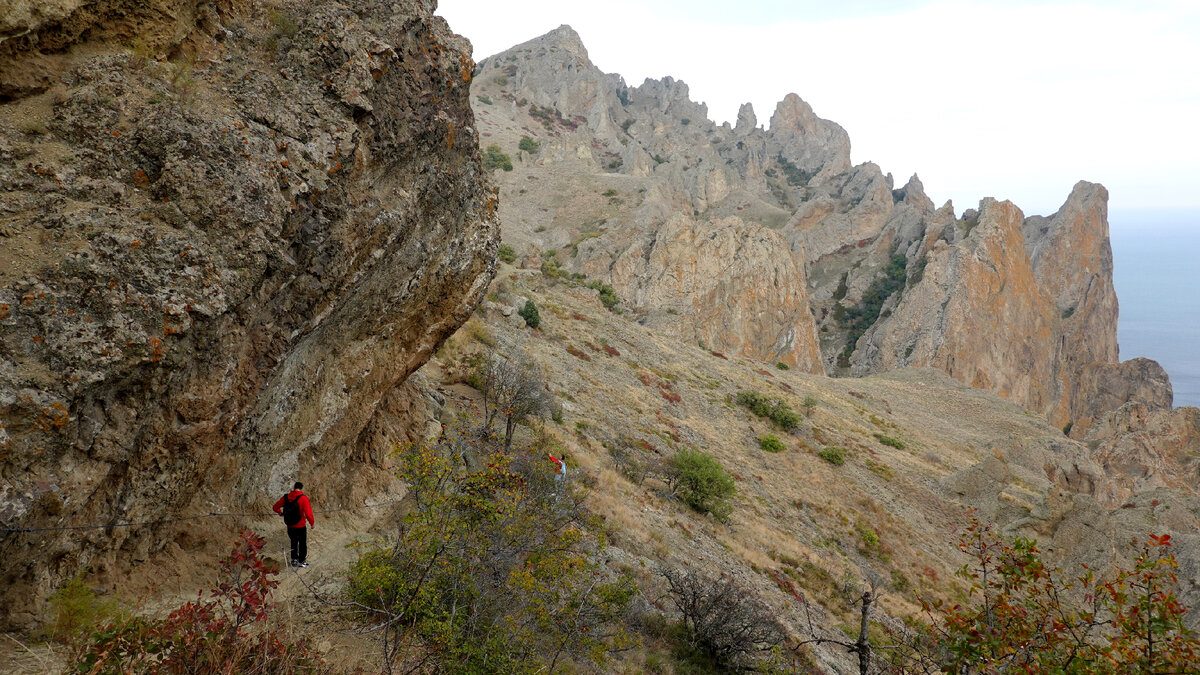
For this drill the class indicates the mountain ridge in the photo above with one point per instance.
(845, 223)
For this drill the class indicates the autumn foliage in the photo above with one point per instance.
(226, 632)
(1025, 616)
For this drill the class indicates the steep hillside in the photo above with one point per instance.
(921, 449)
(603, 174)
(228, 233)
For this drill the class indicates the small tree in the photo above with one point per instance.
(490, 574)
(701, 482)
(722, 617)
(514, 391)
(528, 144)
(506, 254)
(494, 158)
(530, 313)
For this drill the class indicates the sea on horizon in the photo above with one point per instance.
(1156, 271)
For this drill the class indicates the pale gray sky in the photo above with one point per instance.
(981, 98)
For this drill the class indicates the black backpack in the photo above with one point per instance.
(291, 511)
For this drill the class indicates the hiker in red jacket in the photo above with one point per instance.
(295, 509)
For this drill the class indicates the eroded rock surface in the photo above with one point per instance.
(219, 269)
(728, 285)
(1021, 306)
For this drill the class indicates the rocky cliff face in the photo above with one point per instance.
(230, 233)
(1022, 306)
(1039, 288)
(739, 284)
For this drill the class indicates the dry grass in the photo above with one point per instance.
(903, 502)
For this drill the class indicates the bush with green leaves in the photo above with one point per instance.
(76, 610)
(608, 296)
(703, 484)
(506, 254)
(771, 443)
(528, 144)
(494, 158)
(833, 454)
(774, 409)
(890, 441)
(530, 313)
(808, 405)
(491, 572)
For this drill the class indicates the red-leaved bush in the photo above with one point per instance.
(227, 632)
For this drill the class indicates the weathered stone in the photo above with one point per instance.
(1104, 387)
(729, 285)
(222, 272)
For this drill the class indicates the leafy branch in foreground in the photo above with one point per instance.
(1030, 617)
(1022, 615)
(227, 632)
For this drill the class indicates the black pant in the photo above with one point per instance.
(299, 539)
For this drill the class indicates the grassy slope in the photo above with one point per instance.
(797, 516)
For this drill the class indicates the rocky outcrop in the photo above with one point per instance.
(817, 148)
(220, 269)
(1040, 289)
(1143, 449)
(1104, 387)
(983, 286)
(733, 287)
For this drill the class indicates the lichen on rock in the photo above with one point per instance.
(225, 253)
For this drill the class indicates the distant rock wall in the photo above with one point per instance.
(1022, 306)
(217, 271)
(731, 286)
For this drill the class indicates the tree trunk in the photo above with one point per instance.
(863, 646)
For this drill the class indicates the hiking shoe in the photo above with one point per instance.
(301, 564)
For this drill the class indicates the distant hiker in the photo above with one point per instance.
(295, 509)
(560, 469)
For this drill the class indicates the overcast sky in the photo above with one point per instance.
(980, 98)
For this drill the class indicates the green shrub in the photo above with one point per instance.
(506, 254)
(486, 100)
(608, 296)
(528, 144)
(782, 366)
(75, 611)
(888, 440)
(530, 313)
(833, 454)
(776, 409)
(494, 158)
(770, 443)
(611, 192)
(869, 537)
(808, 405)
(491, 572)
(702, 483)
